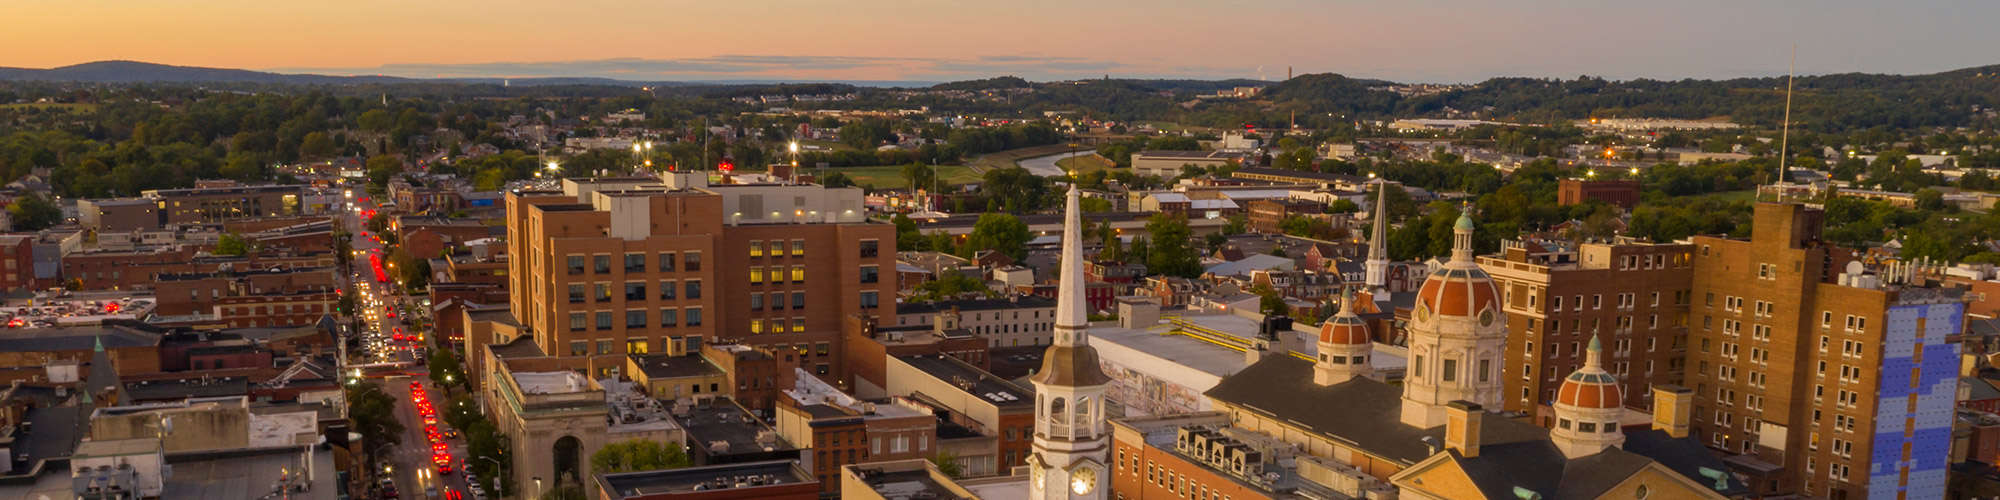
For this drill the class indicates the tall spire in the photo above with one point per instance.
(1377, 267)
(1072, 313)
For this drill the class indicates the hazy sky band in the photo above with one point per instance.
(1414, 40)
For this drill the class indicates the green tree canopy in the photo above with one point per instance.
(999, 232)
(638, 455)
(1172, 252)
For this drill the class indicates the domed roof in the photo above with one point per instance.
(1590, 386)
(1344, 329)
(1458, 291)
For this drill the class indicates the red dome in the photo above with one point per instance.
(1458, 292)
(1591, 387)
(1344, 329)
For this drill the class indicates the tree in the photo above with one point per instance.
(412, 272)
(1092, 205)
(638, 455)
(1930, 199)
(381, 168)
(998, 232)
(233, 244)
(919, 176)
(1171, 253)
(836, 180)
(373, 414)
(950, 286)
(866, 134)
(316, 145)
(445, 368)
(34, 213)
(947, 463)
(1269, 301)
(1342, 206)
(376, 120)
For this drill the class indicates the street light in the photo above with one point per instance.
(496, 473)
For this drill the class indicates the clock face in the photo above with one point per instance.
(1082, 480)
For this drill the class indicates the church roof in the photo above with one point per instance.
(1366, 415)
(1363, 412)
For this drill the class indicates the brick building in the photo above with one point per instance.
(607, 265)
(1825, 379)
(1558, 295)
(1622, 193)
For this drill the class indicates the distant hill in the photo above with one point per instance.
(143, 72)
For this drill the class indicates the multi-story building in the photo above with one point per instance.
(1014, 321)
(17, 262)
(610, 266)
(1558, 295)
(983, 406)
(217, 204)
(254, 298)
(1827, 380)
(1622, 193)
(841, 430)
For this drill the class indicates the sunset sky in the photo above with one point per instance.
(1413, 40)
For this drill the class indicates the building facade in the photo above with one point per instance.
(1633, 295)
(1831, 381)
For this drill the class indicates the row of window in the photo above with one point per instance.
(777, 301)
(777, 248)
(634, 290)
(635, 262)
(777, 325)
(635, 318)
(633, 346)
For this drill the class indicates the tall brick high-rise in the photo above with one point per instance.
(611, 266)
(1558, 295)
(1828, 380)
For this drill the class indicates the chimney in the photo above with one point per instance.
(1672, 405)
(1461, 427)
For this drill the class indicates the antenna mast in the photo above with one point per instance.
(1785, 132)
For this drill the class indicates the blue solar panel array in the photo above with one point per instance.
(1935, 385)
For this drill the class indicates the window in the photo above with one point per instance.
(576, 264)
(576, 293)
(868, 274)
(798, 300)
(798, 248)
(777, 300)
(1450, 372)
(667, 290)
(667, 262)
(636, 346)
(579, 348)
(756, 248)
(798, 274)
(604, 320)
(600, 263)
(691, 261)
(870, 248)
(578, 321)
(756, 302)
(694, 316)
(1586, 426)
(694, 289)
(635, 318)
(603, 292)
(635, 290)
(635, 262)
(1418, 366)
(669, 317)
(1485, 367)
(604, 347)
(756, 275)
(756, 326)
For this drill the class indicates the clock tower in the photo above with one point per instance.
(1072, 443)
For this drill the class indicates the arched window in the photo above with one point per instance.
(1057, 409)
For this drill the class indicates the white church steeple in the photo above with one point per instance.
(1072, 444)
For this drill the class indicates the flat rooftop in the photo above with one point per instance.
(973, 380)
(714, 477)
(908, 484)
(561, 382)
(723, 428)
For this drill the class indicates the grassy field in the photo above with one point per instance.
(1085, 164)
(71, 107)
(891, 176)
